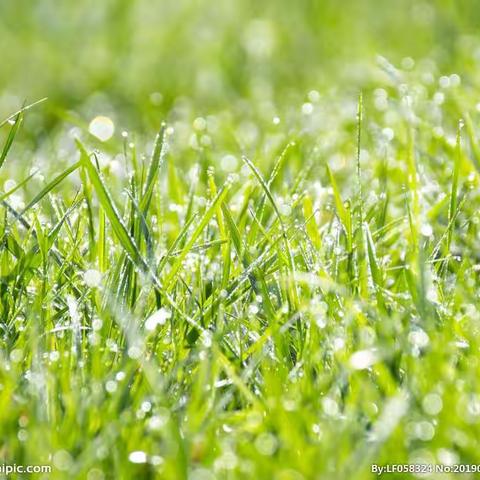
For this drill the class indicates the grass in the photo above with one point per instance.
(275, 285)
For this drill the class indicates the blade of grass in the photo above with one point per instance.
(196, 233)
(156, 163)
(292, 289)
(109, 207)
(454, 190)
(256, 277)
(11, 137)
(22, 110)
(342, 212)
(47, 189)
(375, 267)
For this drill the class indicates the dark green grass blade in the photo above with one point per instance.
(11, 137)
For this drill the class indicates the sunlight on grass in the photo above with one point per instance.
(239, 241)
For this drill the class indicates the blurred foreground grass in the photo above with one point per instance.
(284, 283)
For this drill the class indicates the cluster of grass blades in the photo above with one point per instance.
(282, 322)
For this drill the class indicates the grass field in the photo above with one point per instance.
(239, 240)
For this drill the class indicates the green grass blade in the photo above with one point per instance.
(454, 190)
(11, 136)
(342, 212)
(196, 233)
(110, 208)
(290, 262)
(156, 163)
(50, 186)
(21, 111)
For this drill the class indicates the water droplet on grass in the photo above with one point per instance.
(426, 230)
(92, 278)
(160, 317)
(102, 127)
(266, 444)
(111, 386)
(138, 457)
(307, 108)
(9, 184)
(54, 356)
(455, 80)
(408, 63)
(444, 81)
(418, 338)
(313, 96)
(388, 133)
(199, 124)
(363, 359)
(432, 404)
(330, 407)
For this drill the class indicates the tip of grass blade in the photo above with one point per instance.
(22, 110)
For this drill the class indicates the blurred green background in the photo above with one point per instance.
(136, 57)
(235, 77)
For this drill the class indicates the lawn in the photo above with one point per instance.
(240, 240)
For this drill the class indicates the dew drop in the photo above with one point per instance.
(138, 457)
(102, 127)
